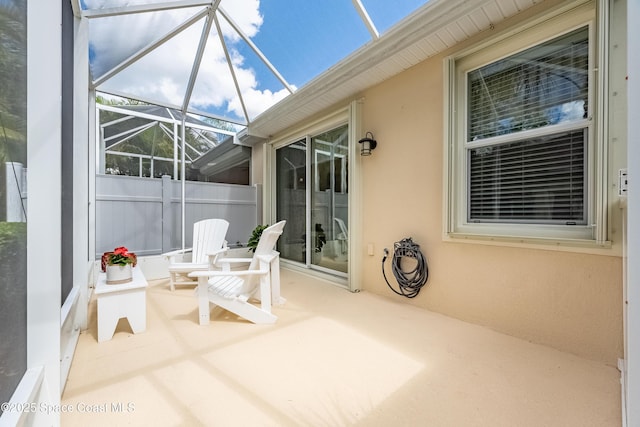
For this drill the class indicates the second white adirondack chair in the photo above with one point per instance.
(208, 244)
(232, 289)
(342, 237)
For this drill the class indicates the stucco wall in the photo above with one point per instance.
(569, 300)
(257, 164)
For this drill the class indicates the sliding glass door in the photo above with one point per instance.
(291, 203)
(312, 195)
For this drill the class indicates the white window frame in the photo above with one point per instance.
(527, 35)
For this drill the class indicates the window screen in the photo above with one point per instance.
(540, 176)
(13, 213)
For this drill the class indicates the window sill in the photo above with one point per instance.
(564, 245)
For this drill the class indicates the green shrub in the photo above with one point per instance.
(252, 244)
(13, 306)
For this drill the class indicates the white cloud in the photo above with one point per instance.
(163, 74)
(246, 14)
(257, 101)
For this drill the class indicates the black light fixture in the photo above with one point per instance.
(368, 144)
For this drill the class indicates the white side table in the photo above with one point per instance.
(118, 301)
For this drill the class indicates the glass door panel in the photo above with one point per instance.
(329, 200)
(291, 196)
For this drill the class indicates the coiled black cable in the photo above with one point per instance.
(409, 282)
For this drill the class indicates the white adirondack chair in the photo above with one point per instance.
(342, 237)
(232, 289)
(208, 245)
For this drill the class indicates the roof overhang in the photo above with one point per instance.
(222, 157)
(248, 139)
(432, 29)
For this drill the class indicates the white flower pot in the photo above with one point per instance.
(119, 274)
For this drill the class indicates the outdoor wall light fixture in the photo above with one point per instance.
(368, 144)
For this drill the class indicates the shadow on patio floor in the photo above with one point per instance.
(333, 358)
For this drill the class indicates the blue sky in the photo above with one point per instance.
(300, 38)
(304, 38)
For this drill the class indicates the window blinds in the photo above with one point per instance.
(538, 180)
(530, 180)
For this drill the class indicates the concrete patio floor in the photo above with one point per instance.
(334, 358)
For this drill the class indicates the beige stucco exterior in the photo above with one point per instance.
(566, 297)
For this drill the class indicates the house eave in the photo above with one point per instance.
(432, 29)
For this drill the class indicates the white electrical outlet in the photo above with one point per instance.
(623, 183)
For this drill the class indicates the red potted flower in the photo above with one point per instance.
(118, 265)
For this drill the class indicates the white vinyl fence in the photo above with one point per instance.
(144, 214)
(13, 189)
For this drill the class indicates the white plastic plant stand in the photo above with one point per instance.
(117, 301)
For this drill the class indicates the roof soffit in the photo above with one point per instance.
(434, 28)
